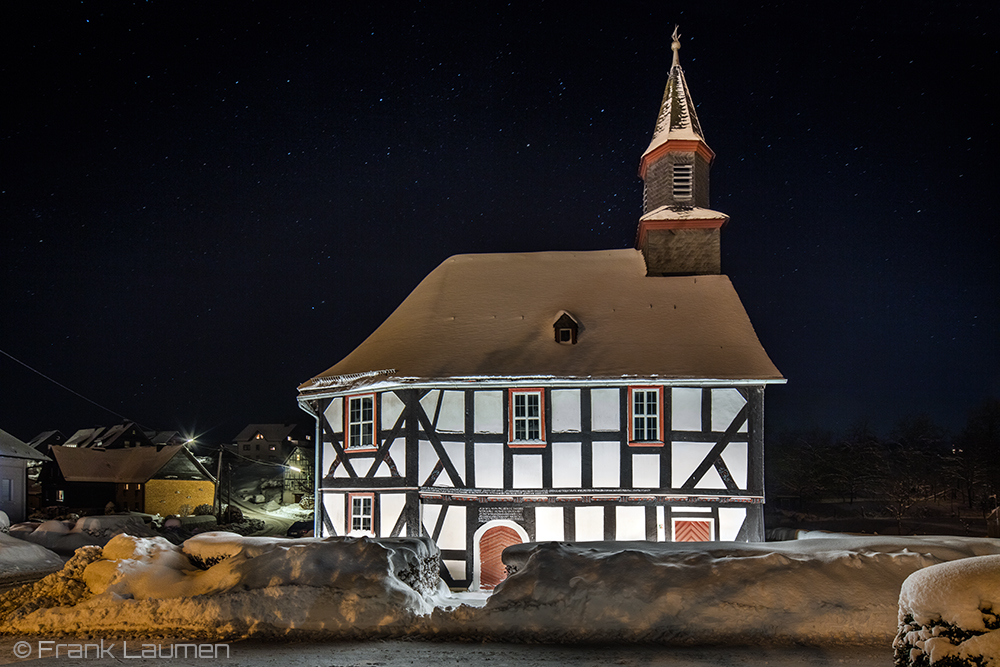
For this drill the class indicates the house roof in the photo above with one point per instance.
(271, 432)
(490, 315)
(677, 118)
(14, 448)
(134, 464)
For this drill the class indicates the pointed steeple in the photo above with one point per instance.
(678, 119)
(678, 234)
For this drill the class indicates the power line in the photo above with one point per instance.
(59, 384)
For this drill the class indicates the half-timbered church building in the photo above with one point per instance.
(569, 396)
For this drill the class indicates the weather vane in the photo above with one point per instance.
(676, 46)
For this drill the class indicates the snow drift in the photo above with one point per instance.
(834, 589)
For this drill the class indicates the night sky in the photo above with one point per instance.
(205, 204)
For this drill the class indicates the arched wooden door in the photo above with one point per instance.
(491, 545)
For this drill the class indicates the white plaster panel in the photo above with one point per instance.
(489, 411)
(730, 521)
(429, 516)
(390, 507)
(686, 457)
(685, 408)
(362, 464)
(334, 504)
(452, 417)
(397, 450)
(684, 509)
(456, 568)
(335, 415)
(456, 452)
(646, 471)
(726, 403)
(589, 524)
(566, 410)
(735, 457)
(329, 454)
(453, 529)
(383, 470)
(429, 403)
(661, 532)
(711, 480)
(427, 458)
(527, 471)
(392, 407)
(605, 412)
(549, 524)
(607, 465)
(566, 465)
(630, 522)
(340, 471)
(489, 465)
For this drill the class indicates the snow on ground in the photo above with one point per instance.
(825, 591)
(19, 558)
(952, 611)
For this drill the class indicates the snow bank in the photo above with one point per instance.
(343, 586)
(950, 613)
(833, 589)
(19, 558)
(65, 537)
(841, 589)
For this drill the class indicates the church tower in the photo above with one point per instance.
(678, 234)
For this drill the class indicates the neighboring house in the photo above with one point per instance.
(155, 480)
(46, 439)
(124, 435)
(578, 396)
(270, 443)
(15, 456)
(298, 475)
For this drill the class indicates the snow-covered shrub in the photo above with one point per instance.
(204, 510)
(4, 522)
(949, 615)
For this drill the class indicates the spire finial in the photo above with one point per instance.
(676, 46)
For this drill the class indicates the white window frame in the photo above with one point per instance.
(526, 420)
(365, 520)
(361, 422)
(633, 415)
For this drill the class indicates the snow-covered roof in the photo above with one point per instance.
(134, 464)
(677, 119)
(684, 213)
(491, 315)
(12, 447)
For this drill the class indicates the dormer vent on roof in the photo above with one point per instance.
(566, 329)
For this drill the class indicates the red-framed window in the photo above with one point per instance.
(526, 418)
(360, 420)
(645, 416)
(362, 513)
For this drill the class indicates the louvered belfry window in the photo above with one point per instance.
(683, 181)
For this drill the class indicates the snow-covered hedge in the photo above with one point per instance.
(262, 586)
(949, 615)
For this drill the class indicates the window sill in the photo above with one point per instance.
(645, 443)
(519, 444)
